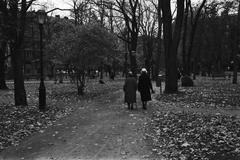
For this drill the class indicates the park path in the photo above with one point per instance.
(101, 128)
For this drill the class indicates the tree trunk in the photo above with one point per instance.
(235, 69)
(3, 85)
(146, 54)
(235, 65)
(192, 34)
(171, 43)
(185, 27)
(170, 86)
(80, 82)
(125, 72)
(132, 52)
(17, 64)
(18, 18)
(159, 40)
(150, 53)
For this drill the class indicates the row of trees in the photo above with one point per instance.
(89, 40)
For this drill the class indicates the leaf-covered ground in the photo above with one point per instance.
(200, 122)
(19, 122)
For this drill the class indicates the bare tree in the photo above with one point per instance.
(80, 11)
(17, 12)
(235, 67)
(130, 12)
(148, 26)
(159, 55)
(187, 53)
(3, 42)
(3, 47)
(171, 42)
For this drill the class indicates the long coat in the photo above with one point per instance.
(130, 88)
(144, 87)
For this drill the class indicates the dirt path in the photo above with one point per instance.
(99, 129)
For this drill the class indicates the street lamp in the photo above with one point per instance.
(42, 90)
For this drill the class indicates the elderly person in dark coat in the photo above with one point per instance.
(144, 87)
(130, 88)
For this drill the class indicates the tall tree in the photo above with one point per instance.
(80, 11)
(193, 22)
(184, 37)
(235, 67)
(131, 15)
(17, 17)
(171, 42)
(3, 42)
(148, 26)
(3, 47)
(159, 54)
(83, 47)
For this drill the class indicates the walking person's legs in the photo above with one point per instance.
(144, 103)
(129, 105)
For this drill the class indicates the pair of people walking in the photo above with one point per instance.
(144, 86)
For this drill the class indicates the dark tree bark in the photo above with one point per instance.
(131, 18)
(147, 50)
(159, 40)
(235, 65)
(192, 34)
(148, 26)
(17, 64)
(171, 42)
(185, 27)
(17, 16)
(80, 82)
(3, 46)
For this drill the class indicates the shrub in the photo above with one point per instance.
(186, 81)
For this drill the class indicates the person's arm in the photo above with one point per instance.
(124, 86)
(139, 84)
(150, 85)
(136, 85)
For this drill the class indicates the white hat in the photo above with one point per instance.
(144, 70)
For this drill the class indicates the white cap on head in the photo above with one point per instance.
(144, 70)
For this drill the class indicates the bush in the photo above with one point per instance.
(186, 81)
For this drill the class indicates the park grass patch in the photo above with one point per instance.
(197, 123)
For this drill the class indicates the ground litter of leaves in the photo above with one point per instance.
(19, 122)
(188, 125)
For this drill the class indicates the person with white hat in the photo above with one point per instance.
(144, 87)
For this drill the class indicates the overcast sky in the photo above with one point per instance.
(64, 4)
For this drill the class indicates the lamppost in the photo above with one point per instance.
(42, 89)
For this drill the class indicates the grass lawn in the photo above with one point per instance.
(201, 122)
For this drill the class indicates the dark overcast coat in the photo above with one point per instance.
(144, 87)
(130, 88)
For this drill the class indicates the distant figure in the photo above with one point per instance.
(130, 88)
(144, 87)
